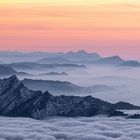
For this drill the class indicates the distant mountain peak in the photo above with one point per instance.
(8, 70)
(130, 63)
(113, 60)
(69, 52)
(115, 57)
(82, 52)
(5, 70)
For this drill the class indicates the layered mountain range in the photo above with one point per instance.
(79, 57)
(63, 87)
(18, 101)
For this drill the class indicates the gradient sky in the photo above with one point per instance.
(109, 27)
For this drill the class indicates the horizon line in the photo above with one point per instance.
(73, 51)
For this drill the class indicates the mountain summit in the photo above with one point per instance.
(113, 60)
(18, 101)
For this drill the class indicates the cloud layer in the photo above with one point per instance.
(96, 128)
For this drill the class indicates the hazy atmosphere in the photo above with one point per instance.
(111, 79)
(69, 70)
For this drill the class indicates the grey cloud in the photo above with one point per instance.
(95, 128)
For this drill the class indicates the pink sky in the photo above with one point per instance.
(107, 28)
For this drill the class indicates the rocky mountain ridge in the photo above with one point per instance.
(18, 101)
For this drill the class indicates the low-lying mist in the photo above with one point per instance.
(125, 81)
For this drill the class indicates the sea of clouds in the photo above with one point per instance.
(94, 128)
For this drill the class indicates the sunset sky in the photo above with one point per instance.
(109, 27)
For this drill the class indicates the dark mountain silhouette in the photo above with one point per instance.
(125, 106)
(18, 101)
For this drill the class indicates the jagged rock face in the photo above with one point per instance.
(17, 100)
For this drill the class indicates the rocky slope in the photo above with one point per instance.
(18, 101)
